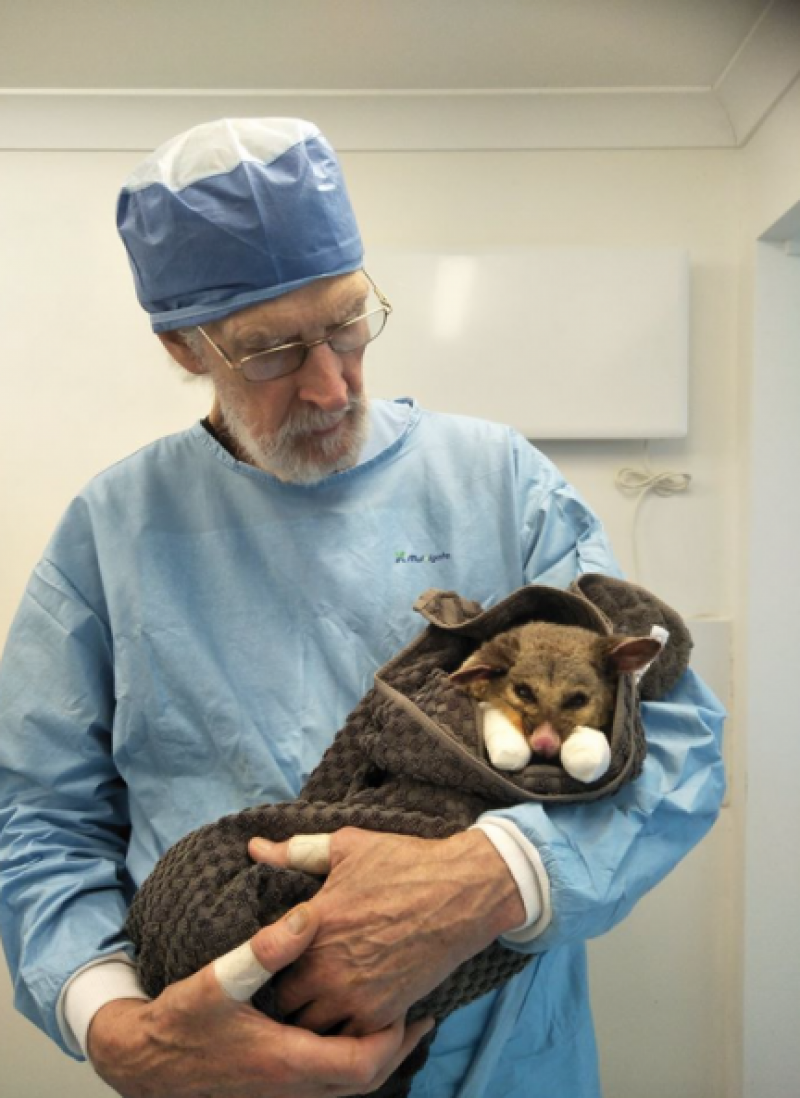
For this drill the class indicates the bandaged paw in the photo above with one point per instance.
(586, 755)
(240, 974)
(505, 745)
(310, 853)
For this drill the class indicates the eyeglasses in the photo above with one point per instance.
(279, 361)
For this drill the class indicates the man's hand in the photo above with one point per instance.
(194, 1041)
(396, 916)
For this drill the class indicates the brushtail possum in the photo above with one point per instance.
(548, 690)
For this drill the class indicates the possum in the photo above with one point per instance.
(548, 693)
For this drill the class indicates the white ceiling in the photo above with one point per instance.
(398, 74)
(372, 44)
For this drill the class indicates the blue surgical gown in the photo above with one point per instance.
(197, 631)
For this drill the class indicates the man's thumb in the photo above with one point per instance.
(276, 946)
(244, 970)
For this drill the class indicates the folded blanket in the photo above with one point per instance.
(409, 760)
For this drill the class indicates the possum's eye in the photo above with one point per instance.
(575, 701)
(524, 692)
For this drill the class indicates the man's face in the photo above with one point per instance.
(313, 422)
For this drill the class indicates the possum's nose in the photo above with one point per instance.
(544, 740)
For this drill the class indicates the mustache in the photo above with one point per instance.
(314, 419)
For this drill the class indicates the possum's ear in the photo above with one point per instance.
(476, 670)
(493, 659)
(631, 653)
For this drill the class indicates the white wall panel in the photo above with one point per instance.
(561, 343)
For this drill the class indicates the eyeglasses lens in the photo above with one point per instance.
(274, 364)
(359, 332)
(351, 336)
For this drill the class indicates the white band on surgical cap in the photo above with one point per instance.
(216, 148)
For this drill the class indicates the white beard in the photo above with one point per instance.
(292, 453)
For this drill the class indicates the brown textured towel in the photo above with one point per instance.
(409, 760)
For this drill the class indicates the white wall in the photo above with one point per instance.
(86, 383)
(771, 1004)
(770, 608)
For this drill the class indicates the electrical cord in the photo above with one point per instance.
(642, 483)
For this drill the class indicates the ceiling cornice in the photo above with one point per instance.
(719, 117)
(367, 121)
(763, 69)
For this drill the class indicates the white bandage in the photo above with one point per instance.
(311, 854)
(586, 755)
(506, 747)
(240, 973)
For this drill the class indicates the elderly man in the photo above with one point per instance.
(208, 612)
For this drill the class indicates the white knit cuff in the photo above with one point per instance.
(91, 987)
(527, 868)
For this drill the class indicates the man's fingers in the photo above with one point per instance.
(323, 1016)
(370, 1060)
(308, 853)
(240, 973)
(276, 946)
(413, 1035)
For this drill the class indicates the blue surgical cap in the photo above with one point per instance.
(232, 213)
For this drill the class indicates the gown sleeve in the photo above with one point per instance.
(602, 857)
(64, 889)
